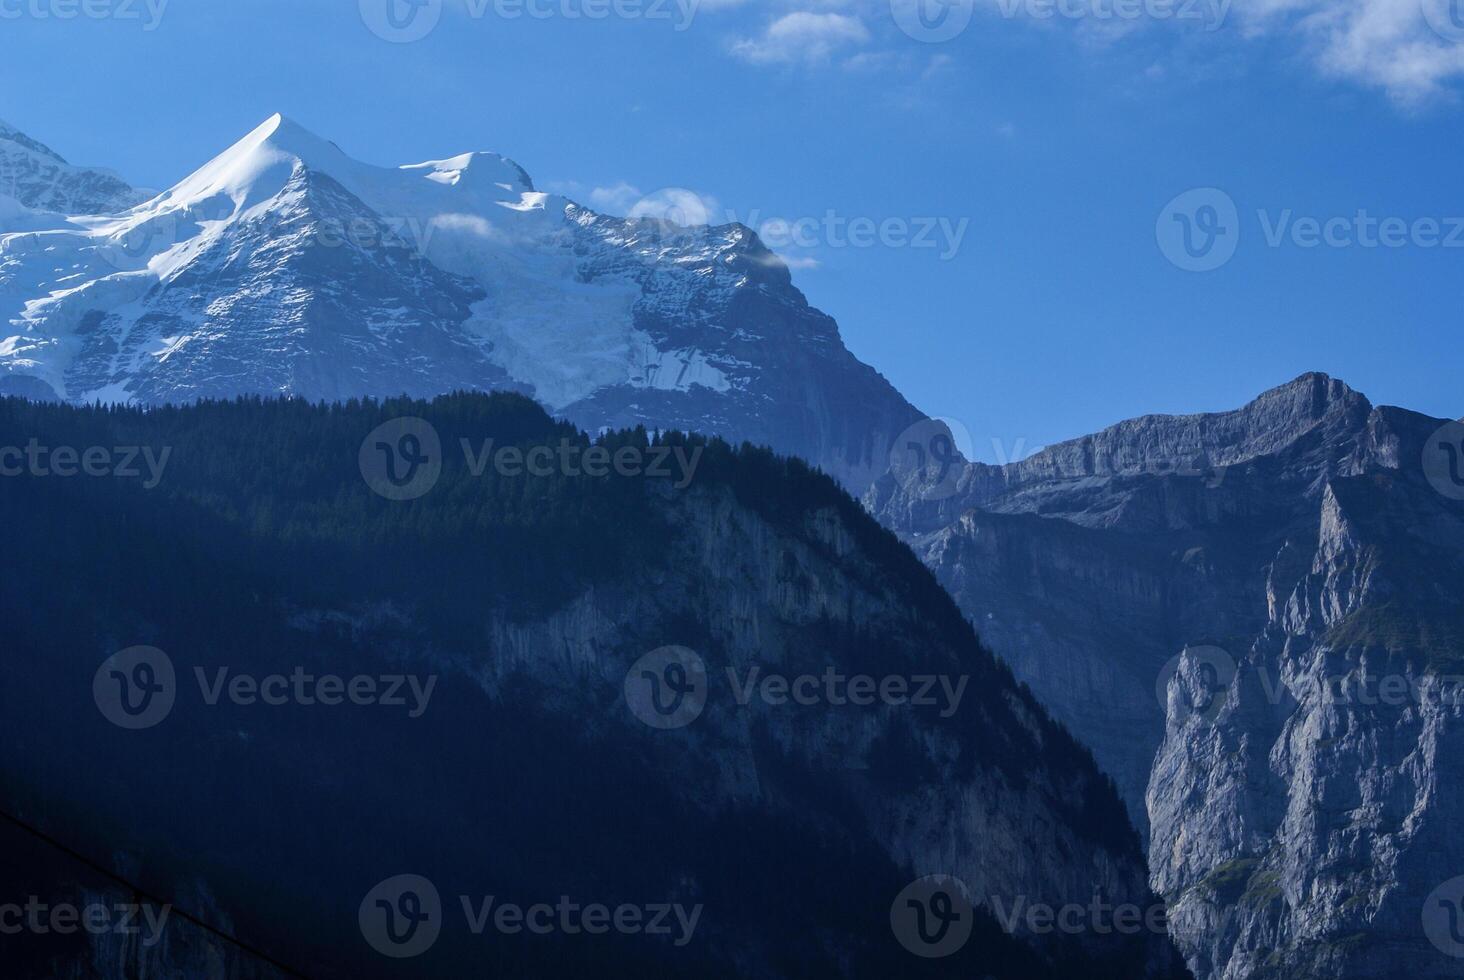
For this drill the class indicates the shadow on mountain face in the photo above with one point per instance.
(495, 757)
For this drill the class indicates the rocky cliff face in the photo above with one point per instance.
(1181, 592)
(1306, 820)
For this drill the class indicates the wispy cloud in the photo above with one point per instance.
(804, 37)
(1412, 49)
(618, 198)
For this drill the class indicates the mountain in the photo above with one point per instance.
(284, 267)
(38, 178)
(1210, 603)
(1122, 575)
(527, 606)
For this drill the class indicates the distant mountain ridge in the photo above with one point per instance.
(1248, 558)
(38, 177)
(284, 267)
(1297, 534)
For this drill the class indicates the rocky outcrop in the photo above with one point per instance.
(1303, 826)
(1183, 592)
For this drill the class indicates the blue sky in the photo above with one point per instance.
(1053, 144)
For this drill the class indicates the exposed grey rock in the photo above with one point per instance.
(1298, 537)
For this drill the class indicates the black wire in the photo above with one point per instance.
(153, 899)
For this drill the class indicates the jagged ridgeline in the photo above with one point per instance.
(252, 544)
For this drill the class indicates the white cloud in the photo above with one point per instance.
(938, 65)
(615, 199)
(803, 37)
(1390, 44)
(1412, 49)
(678, 206)
(470, 224)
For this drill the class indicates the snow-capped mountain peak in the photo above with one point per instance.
(481, 167)
(257, 166)
(41, 179)
(10, 134)
(285, 266)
